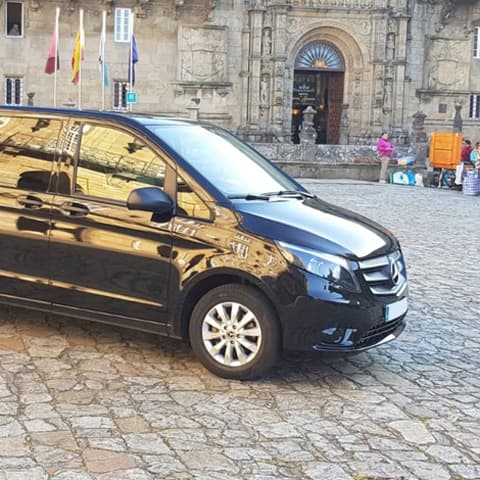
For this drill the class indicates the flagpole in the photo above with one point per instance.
(132, 19)
(80, 61)
(57, 16)
(104, 22)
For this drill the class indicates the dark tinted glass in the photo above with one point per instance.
(224, 160)
(14, 19)
(112, 163)
(27, 150)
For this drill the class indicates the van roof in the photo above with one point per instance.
(131, 118)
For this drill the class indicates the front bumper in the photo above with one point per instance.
(321, 325)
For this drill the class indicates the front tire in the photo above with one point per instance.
(234, 332)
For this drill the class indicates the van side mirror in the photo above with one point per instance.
(151, 199)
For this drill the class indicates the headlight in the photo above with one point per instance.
(336, 270)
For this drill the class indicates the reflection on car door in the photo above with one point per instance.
(104, 257)
(28, 150)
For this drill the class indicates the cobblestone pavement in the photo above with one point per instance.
(85, 401)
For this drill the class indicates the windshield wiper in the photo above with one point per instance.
(286, 193)
(250, 196)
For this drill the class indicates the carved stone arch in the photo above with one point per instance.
(355, 54)
(356, 62)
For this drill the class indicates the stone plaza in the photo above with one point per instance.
(83, 401)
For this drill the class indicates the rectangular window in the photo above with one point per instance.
(113, 162)
(14, 19)
(13, 90)
(120, 89)
(474, 106)
(27, 155)
(476, 42)
(122, 24)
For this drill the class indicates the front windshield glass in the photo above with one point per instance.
(221, 158)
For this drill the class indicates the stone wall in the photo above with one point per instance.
(358, 162)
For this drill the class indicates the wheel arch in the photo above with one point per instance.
(204, 283)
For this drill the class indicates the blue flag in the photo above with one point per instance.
(132, 60)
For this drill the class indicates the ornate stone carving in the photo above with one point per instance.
(365, 27)
(203, 54)
(34, 5)
(140, 8)
(263, 92)
(447, 65)
(267, 41)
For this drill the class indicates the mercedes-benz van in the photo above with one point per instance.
(181, 229)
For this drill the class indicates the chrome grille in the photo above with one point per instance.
(385, 275)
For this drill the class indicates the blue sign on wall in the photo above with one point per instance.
(131, 97)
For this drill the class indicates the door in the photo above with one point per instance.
(335, 101)
(105, 258)
(28, 151)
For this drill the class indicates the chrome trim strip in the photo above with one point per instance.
(374, 263)
(375, 277)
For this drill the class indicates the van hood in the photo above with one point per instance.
(316, 224)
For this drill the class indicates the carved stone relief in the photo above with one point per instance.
(447, 65)
(203, 54)
(365, 27)
(267, 41)
(263, 92)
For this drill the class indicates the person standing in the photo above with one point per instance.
(475, 155)
(385, 150)
(466, 152)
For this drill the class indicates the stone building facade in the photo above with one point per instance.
(252, 66)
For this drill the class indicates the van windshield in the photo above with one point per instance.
(233, 167)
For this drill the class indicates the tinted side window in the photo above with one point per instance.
(27, 150)
(112, 163)
(189, 203)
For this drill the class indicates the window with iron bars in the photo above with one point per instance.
(13, 90)
(474, 106)
(120, 89)
(476, 42)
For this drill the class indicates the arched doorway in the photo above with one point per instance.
(318, 82)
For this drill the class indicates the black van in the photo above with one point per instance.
(178, 228)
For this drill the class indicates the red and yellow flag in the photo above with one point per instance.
(77, 56)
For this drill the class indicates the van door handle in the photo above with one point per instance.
(74, 209)
(30, 201)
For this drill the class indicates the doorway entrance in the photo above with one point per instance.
(318, 82)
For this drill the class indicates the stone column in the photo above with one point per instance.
(419, 138)
(400, 65)
(256, 12)
(245, 75)
(308, 133)
(194, 109)
(457, 120)
(344, 125)
(279, 58)
(378, 73)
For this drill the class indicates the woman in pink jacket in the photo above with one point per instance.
(385, 150)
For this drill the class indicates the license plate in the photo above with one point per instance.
(395, 310)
